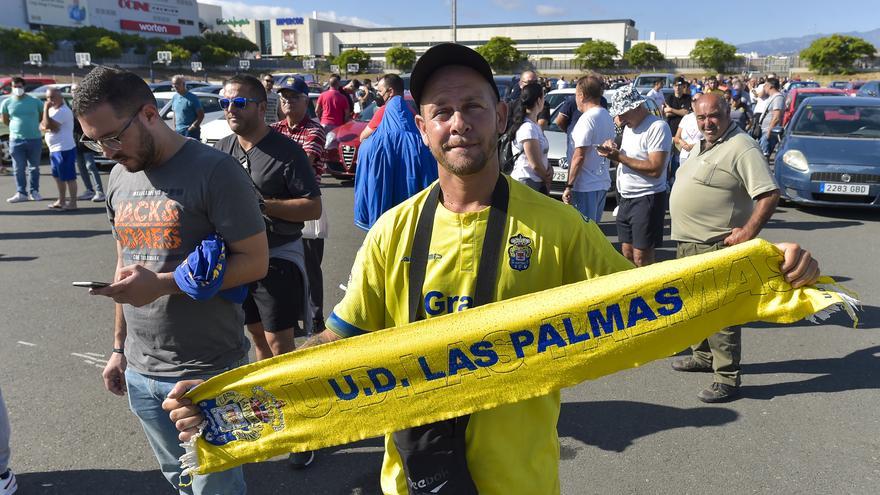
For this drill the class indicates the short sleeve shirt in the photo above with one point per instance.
(522, 169)
(592, 129)
(334, 107)
(715, 189)
(565, 248)
(651, 135)
(677, 103)
(775, 102)
(281, 170)
(311, 136)
(24, 116)
(690, 134)
(159, 216)
(185, 108)
(62, 139)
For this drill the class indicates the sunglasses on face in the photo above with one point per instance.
(238, 102)
(112, 143)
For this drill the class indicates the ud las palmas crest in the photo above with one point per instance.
(233, 416)
(519, 252)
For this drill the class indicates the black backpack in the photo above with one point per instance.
(506, 155)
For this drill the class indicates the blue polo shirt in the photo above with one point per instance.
(185, 108)
(24, 117)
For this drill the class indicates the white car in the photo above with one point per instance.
(210, 104)
(218, 129)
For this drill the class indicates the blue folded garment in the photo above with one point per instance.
(200, 276)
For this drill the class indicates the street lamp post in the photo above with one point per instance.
(454, 21)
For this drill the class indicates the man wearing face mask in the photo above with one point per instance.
(165, 197)
(389, 86)
(22, 113)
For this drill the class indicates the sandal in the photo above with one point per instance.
(55, 206)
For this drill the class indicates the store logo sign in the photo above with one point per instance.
(134, 5)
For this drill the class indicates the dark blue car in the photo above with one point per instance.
(830, 153)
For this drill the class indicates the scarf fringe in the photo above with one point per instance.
(189, 461)
(851, 304)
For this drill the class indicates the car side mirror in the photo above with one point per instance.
(777, 131)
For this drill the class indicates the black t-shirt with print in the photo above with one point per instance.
(677, 103)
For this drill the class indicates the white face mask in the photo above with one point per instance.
(18, 91)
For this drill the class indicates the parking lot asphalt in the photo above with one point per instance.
(807, 421)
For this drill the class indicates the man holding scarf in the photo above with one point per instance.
(473, 237)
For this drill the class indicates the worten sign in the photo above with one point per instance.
(149, 27)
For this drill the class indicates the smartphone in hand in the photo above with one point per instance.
(91, 285)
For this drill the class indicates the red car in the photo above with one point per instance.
(30, 83)
(796, 96)
(341, 161)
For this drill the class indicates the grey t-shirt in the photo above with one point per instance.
(775, 102)
(159, 216)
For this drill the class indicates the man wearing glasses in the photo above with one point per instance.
(285, 178)
(168, 195)
(297, 125)
(188, 112)
(271, 99)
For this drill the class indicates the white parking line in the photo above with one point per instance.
(26, 343)
(100, 363)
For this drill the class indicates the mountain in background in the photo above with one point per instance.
(793, 46)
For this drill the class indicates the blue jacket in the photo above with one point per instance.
(393, 164)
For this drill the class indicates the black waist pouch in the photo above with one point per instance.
(433, 458)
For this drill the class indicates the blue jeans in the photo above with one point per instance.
(591, 204)
(768, 144)
(145, 396)
(85, 161)
(26, 153)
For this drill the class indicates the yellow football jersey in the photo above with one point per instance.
(512, 449)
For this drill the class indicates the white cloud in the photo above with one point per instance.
(243, 10)
(549, 10)
(508, 4)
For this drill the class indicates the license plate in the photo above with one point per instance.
(835, 188)
(563, 176)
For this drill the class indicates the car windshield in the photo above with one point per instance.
(803, 96)
(648, 81)
(210, 103)
(850, 121)
(44, 88)
(553, 101)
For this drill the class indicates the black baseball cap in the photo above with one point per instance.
(444, 54)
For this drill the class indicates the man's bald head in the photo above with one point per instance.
(713, 116)
(527, 77)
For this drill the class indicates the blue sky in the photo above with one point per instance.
(734, 22)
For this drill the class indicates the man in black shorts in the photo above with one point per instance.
(284, 177)
(641, 177)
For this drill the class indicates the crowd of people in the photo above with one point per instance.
(254, 202)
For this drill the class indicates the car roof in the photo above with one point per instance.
(845, 101)
(818, 90)
(564, 91)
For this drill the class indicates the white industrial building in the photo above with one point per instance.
(315, 37)
(163, 18)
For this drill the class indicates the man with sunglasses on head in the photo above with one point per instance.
(284, 176)
(166, 196)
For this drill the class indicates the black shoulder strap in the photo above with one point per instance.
(492, 243)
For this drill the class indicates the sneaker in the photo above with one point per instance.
(301, 460)
(87, 194)
(35, 196)
(99, 197)
(8, 484)
(18, 198)
(718, 392)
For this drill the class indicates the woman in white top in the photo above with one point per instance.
(530, 146)
(688, 134)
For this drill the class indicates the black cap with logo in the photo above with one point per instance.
(444, 54)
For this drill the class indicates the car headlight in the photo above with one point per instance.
(796, 160)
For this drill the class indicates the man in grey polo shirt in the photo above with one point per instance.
(724, 194)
